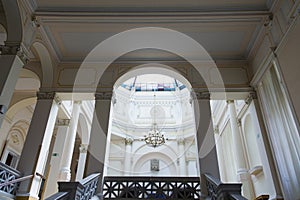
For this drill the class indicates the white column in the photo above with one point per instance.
(219, 147)
(181, 153)
(65, 172)
(11, 65)
(242, 172)
(35, 151)
(56, 157)
(127, 158)
(81, 162)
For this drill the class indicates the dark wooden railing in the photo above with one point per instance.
(8, 175)
(151, 188)
(223, 191)
(83, 190)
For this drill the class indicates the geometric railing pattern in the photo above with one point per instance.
(216, 190)
(8, 174)
(151, 188)
(82, 190)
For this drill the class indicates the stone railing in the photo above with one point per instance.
(217, 190)
(83, 190)
(8, 175)
(151, 188)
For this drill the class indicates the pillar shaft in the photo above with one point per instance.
(98, 137)
(11, 66)
(182, 160)
(242, 172)
(127, 158)
(65, 172)
(236, 137)
(35, 151)
(205, 138)
(81, 162)
(56, 157)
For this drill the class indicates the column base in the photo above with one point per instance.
(65, 175)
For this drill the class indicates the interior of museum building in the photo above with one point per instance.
(149, 100)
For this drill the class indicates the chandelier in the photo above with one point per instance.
(155, 137)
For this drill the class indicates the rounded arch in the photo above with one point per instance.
(154, 38)
(84, 131)
(12, 22)
(46, 64)
(19, 106)
(3, 34)
(155, 155)
(153, 68)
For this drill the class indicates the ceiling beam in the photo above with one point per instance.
(157, 17)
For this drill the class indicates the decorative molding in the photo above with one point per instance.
(83, 148)
(181, 141)
(62, 122)
(216, 129)
(229, 101)
(239, 122)
(128, 141)
(252, 95)
(45, 95)
(200, 95)
(10, 48)
(103, 96)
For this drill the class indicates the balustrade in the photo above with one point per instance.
(151, 188)
(8, 174)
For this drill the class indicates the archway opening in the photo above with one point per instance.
(153, 130)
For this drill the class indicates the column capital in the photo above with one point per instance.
(128, 141)
(48, 96)
(78, 102)
(10, 48)
(103, 95)
(62, 122)
(252, 95)
(239, 122)
(228, 101)
(200, 95)
(216, 129)
(83, 148)
(181, 140)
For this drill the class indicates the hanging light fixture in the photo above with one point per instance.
(154, 138)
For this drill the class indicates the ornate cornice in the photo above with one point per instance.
(103, 96)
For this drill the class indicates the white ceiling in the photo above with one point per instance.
(226, 29)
